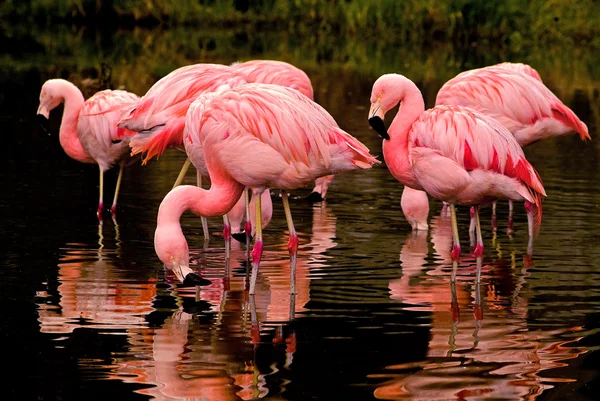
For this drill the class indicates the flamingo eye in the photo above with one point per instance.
(171, 258)
(380, 96)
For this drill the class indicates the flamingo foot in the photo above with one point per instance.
(455, 252)
(478, 252)
(113, 209)
(192, 280)
(227, 232)
(290, 342)
(248, 228)
(478, 313)
(99, 211)
(314, 197)
(510, 228)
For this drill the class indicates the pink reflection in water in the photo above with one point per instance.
(481, 346)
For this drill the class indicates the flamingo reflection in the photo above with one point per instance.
(481, 345)
(94, 290)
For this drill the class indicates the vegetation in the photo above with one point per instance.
(461, 21)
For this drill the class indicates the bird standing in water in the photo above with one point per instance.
(88, 131)
(257, 136)
(514, 95)
(455, 154)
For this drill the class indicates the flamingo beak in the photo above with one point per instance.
(43, 110)
(376, 115)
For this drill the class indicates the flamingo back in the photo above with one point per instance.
(523, 104)
(286, 139)
(278, 73)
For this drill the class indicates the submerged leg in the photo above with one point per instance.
(203, 219)
(248, 224)
(113, 208)
(182, 173)
(100, 203)
(455, 240)
(258, 244)
(292, 243)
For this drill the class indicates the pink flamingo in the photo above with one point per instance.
(285, 74)
(239, 129)
(454, 153)
(88, 131)
(513, 94)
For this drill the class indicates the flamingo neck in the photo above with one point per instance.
(216, 201)
(396, 149)
(69, 140)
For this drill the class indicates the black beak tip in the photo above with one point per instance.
(314, 197)
(192, 280)
(240, 237)
(379, 126)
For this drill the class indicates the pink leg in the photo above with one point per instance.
(258, 244)
(478, 253)
(100, 203)
(472, 238)
(292, 243)
(227, 235)
(456, 241)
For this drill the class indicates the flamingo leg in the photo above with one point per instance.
(258, 244)
(479, 248)
(100, 203)
(182, 173)
(456, 241)
(227, 235)
(509, 231)
(494, 220)
(472, 225)
(292, 243)
(529, 209)
(203, 219)
(248, 224)
(113, 208)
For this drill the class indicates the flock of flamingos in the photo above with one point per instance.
(467, 150)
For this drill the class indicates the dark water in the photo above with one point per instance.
(88, 312)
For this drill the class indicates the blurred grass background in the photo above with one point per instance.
(514, 21)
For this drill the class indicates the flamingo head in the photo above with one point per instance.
(50, 97)
(172, 249)
(387, 92)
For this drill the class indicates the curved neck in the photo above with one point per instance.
(395, 149)
(216, 201)
(69, 140)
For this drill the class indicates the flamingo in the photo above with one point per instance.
(453, 153)
(88, 130)
(285, 74)
(513, 94)
(415, 206)
(258, 136)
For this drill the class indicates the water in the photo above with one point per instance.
(89, 313)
